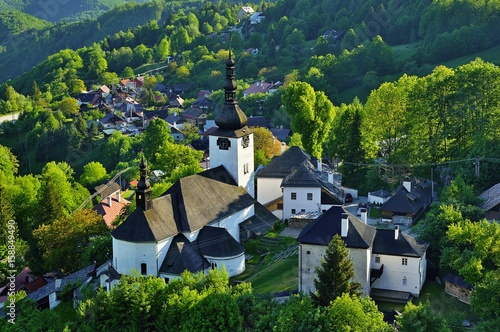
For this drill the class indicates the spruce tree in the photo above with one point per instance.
(335, 273)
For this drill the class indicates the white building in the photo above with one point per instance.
(195, 225)
(384, 260)
(296, 183)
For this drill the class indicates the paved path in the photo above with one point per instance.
(9, 117)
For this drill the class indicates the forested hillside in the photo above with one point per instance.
(14, 22)
(55, 11)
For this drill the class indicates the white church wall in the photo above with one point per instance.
(128, 257)
(231, 223)
(233, 265)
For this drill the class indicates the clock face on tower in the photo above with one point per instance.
(223, 143)
(245, 142)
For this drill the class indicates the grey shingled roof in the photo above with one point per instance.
(188, 205)
(322, 230)
(381, 193)
(405, 202)
(406, 245)
(183, 255)
(107, 189)
(304, 176)
(217, 242)
(280, 166)
(491, 197)
(78, 276)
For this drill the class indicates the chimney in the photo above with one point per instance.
(344, 226)
(396, 232)
(407, 185)
(110, 200)
(118, 196)
(320, 165)
(58, 283)
(364, 215)
(330, 177)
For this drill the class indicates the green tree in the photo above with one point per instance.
(93, 174)
(421, 318)
(264, 141)
(312, 115)
(69, 107)
(162, 50)
(128, 72)
(352, 313)
(155, 140)
(335, 274)
(63, 242)
(472, 249)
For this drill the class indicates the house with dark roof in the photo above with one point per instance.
(203, 101)
(385, 261)
(194, 115)
(200, 221)
(48, 296)
(294, 183)
(408, 201)
(379, 197)
(257, 121)
(491, 202)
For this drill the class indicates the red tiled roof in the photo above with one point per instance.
(110, 213)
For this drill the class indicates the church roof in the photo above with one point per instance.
(183, 255)
(188, 205)
(230, 117)
(322, 230)
(217, 242)
(280, 166)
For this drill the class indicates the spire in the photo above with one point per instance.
(143, 193)
(231, 117)
(143, 182)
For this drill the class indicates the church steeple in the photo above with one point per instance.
(231, 117)
(143, 193)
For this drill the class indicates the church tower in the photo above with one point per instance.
(231, 145)
(143, 193)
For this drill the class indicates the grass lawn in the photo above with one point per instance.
(263, 270)
(492, 55)
(405, 51)
(278, 277)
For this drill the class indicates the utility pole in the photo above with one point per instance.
(477, 168)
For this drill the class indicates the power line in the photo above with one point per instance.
(494, 160)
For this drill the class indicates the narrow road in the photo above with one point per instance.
(9, 117)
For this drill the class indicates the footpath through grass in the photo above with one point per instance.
(272, 263)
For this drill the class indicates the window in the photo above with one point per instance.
(405, 281)
(377, 260)
(302, 210)
(293, 196)
(280, 206)
(404, 261)
(293, 211)
(144, 269)
(309, 196)
(308, 252)
(245, 168)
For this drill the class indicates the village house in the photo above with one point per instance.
(199, 222)
(387, 263)
(295, 183)
(407, 202)
(112, 202)
(244, 12)
(261, 87)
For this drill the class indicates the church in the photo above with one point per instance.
(200, 222)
